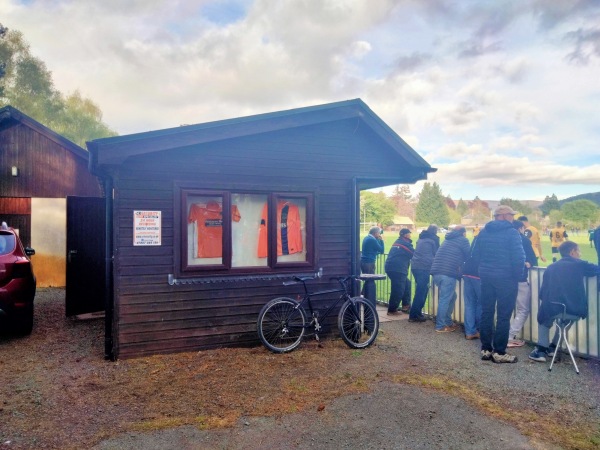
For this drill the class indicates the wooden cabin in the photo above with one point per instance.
(207, 220)
(39, 169)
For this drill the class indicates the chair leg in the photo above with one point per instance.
(571, 353)
(558, 345)
(562, 337)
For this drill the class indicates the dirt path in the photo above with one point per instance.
(413, 389)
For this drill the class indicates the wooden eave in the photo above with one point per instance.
(115, 150)
(10, 116)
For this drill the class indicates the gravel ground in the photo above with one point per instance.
(413, 389)
(404, 415)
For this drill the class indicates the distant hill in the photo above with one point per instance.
(592, 196)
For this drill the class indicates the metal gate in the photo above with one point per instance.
(86, 236)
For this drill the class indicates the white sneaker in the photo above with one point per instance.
(515, 343)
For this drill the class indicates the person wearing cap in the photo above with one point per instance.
(501, 258)
(523, 303)
(427, 246)
(372, 245)
(558, 235)
(446, 269)
(396, 268)
(533, 234)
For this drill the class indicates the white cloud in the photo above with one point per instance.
(492, 95)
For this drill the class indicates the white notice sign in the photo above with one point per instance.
(146, 227)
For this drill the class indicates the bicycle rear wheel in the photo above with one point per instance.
(358, 322)
(281, 325)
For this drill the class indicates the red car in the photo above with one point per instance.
(17, 283)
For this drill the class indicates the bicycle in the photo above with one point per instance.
(282, 322)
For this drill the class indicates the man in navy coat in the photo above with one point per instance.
(562, 283)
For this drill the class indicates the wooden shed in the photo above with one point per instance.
(39, 169)
(207, 220)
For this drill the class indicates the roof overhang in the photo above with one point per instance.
(115, 150)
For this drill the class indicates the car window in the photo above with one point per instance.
(7, 243)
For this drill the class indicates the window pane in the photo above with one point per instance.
(205, 230)
(249, 236)
(291, 229)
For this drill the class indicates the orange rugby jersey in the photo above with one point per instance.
(289, 230)
(209, 222)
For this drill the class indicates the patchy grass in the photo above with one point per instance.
(553, 426)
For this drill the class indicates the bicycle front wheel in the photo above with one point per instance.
(358, 322)
(281, 325)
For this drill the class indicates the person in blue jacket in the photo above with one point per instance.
(396, 268)
(597, 242)
(562, 283)
(446, 270)
(372, 246)
(500, 256)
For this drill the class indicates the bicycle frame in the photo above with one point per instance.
(283, 321)
(315, 312)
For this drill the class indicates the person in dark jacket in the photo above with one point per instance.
(446, 269)
(372, 246)
(427, 247)
(562, 283)
(396, 268)
(523, 303)
(472, 295)
(597, 242)
(501, 258)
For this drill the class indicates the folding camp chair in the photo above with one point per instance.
(563, 322)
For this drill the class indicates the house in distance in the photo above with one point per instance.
(207, 220)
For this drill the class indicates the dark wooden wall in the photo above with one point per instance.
(153, 317)
(46, 168)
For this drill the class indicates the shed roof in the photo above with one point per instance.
(115, 150)
(10, 116)
(402, 220)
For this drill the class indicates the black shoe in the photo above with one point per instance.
(417, 319)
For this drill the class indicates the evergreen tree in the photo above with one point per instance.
(549, 204)
(432, 206)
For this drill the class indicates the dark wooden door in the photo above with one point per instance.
(85, 255)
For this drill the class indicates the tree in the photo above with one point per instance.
(402, 199)
(480, 211)
(517, 206)
(549, 204)
(377, 208)
(583, 212)
(26, 84)
(555, 216)
(432, 206)
(462, 208)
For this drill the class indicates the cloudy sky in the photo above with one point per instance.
(503, 97)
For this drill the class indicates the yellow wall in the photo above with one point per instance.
(49, 239)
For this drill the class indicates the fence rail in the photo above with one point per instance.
(584, 336)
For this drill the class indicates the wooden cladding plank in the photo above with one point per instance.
(15, 205)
